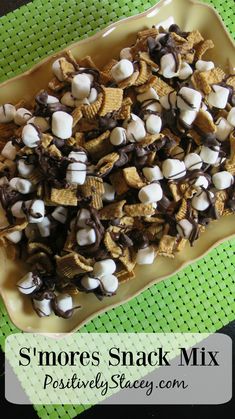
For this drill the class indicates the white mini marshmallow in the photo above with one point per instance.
(90, 283)
(153, 124)
(122, 70)
(9, 151)
(201, 181)
(222, 180)
(28, 284)
(23, 186)
(43, 307)
(30, 136)
(223, 129)
(173, 169)
(56, 68)
(64, 302)
(218, 97)
(209, 156)
(45, 227)
(149, 94)
(184, 228)
(76, 173)
(104, 267)
(165, 24)
(152, 173)
(86, 236)
(231, 116)
(24, 169)
(17, 211)
(82, 216)
(193, 161)
(7, 113)
(135, 130)
(185, 71)
(15, 236)
(109, 192)
(177, 153)
(200, 201)
(22, 115)
(81, 86)
(145, 256)
(93, 95)
(60, 214)
(109, 283)
(118, 136)
(40, 122)
(52, 99)
(189, 99)
(79, 156)
(168, 101)
(125, 53)
(188, 117)
(150, 193)
(62, 124)
(37, 210)
(155, 106)
(204, 65)
(168, 66)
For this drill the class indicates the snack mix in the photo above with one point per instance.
(112, 167)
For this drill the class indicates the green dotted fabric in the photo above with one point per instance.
(198, 299)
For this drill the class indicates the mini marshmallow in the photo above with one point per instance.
(109, 192)
(93, 95)
(81, 86)
(155, 107)
(223, 129)
(152, 173)
(118, 136)
(135, 130)
(60, 214)
(187, 117)
(104, 267)
(173, 169)
(145, 256)
(109, 283)
(189, 99)
(177, 153)
(76, 173)
(45, 227)
(218, 97)
(122, 70)
(7, 113)
(193, 161)
(79, 156)
(150, 193)
(90, 283)
(200, 201)
(15, 236)
(56, 68)
(29, 283)
(24, 169)
(30, 136)
(185, 71)
(184, 228)
(202, 182)
(222, 180)
(9, 151)
(125, 53)
(40, 122)
(36, 209)
(62, 124)
(22, 115)
(165, 24)
(168, 66)
(149, 94)
(64, 302)
(23, 186)
(42, 307)
(17, 211)
(153, 124)
(231, 117)
(82, 216)
(52, 99)
(204, 65)
(209, 156)
(86, 236)
(168, 101)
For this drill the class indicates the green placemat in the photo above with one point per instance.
(198, 299)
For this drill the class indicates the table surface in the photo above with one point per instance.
(181, 411)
